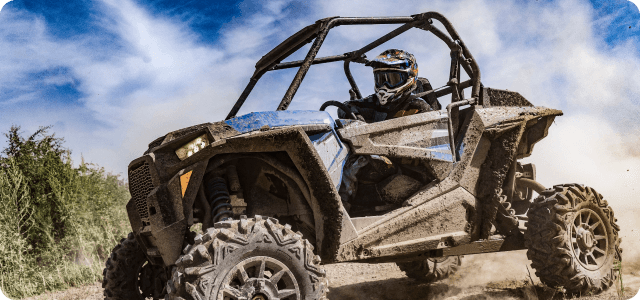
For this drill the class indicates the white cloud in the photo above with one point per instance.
(552, 56)
(164, 79)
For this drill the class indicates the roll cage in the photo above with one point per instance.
(460, 57)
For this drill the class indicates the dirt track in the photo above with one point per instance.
(489, 276)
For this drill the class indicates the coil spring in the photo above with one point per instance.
(507, 206)
(219, 199)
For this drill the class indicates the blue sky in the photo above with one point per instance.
(111, 76)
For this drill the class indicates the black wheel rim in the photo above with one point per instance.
(589, 239)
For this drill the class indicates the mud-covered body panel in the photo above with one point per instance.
(450, 212)
(333, 154)
(314, 166)
(417, 136)
(319, 154)
(437, 212)
(268, 119)
(536, 120)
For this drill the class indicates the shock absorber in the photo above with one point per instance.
(506, 205)
(219, 199)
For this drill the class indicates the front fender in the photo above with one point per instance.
(325, 201)
(160, 219)
(329, 217)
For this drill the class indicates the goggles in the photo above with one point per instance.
(391, 79)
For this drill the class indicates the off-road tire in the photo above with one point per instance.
(212, 267)
(566, 223)
(431, 269)
(121, 276)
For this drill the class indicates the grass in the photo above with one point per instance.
(619, 286)
(94, 222)
(532, 286)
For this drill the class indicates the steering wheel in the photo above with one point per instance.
(340, 105)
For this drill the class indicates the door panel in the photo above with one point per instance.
(420, 136)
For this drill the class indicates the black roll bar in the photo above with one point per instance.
(317, 33)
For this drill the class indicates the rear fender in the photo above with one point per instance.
(536, 120)
(536, 129)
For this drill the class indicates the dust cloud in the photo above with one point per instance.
(586, 149)
(482, 269)
(579, 149)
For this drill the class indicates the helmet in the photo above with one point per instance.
(395, 73)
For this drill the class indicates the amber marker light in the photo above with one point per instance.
(184, 181)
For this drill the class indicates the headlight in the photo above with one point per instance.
(192, 147)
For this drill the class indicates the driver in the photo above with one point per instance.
(396, 77)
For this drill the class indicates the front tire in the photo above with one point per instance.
(431, 269)
(129, 275)
(572, 239)
(248, 259)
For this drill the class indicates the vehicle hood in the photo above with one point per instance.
(272, 119)
(255, 121)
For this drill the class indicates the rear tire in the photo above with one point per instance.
(431, 269)
(572, 239)
(248, 259)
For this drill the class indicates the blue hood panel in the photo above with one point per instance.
(256, 120)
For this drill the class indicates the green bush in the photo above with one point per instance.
(58, 223)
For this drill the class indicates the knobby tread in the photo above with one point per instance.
(120, 275)
(549, 243)
(428, 271)
(204, 263)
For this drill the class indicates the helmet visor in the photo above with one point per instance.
(391, 79)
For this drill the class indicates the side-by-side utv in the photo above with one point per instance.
(266, 188)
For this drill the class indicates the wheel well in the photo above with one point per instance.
(269, 185)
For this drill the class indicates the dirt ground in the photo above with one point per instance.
(488, 276)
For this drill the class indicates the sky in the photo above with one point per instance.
(111, 76)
